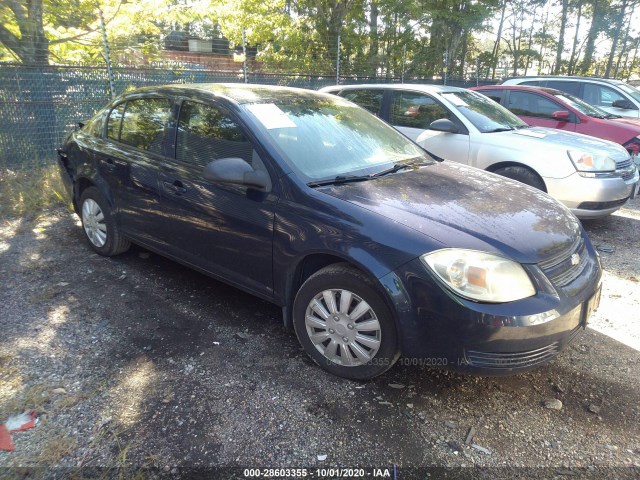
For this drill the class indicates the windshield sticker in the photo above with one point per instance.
(271, 116)
(456, 100)
(531, 133)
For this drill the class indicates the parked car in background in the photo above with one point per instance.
(371, 247)
(592, 177)
(548, 107)
(613, 96)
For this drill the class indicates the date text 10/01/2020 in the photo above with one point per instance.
(319, 472)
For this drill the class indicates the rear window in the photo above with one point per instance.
(144, 123)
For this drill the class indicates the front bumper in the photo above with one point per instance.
(593, 197)
(438, 328)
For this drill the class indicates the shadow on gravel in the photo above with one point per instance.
(178, 369)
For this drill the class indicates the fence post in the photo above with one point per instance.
(338, 61)
(107, 57)
(404, 60)
(244, 54)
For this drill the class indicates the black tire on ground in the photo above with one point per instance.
(96, 216)
(341, 278)
(523, 175)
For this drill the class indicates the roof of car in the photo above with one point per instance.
(550, 91)
(397, 86)
(565, 78)
(240, 93)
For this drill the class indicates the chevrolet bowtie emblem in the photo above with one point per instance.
(575, 259)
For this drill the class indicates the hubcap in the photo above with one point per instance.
(343, 327)
(93, 222)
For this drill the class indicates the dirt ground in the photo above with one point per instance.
(139, 365)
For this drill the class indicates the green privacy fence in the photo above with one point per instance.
(39, 106)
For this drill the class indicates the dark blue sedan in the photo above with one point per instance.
(373, 248)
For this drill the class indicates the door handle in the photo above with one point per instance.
(176, 187)
(110, 164)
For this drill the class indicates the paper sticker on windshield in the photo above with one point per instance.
(531, 133)
(271, 116)
(456, 100)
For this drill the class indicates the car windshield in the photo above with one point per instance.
(630, 90)
(324, 138)
(485, 114)
(580, 105)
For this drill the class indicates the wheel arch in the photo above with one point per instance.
(312, 263)
(497, 166)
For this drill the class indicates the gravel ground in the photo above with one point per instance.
(136, 362)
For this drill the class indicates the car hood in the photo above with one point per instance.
(540, 137)
(631, 122)
(464, 207)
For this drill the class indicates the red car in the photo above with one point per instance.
(547, 107)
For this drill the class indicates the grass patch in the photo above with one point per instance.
(29, 191)
(57, 448)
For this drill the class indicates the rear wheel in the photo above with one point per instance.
(344, 324)
(99, 225)
(523, 175)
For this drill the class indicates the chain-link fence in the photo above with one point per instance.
(40, 105)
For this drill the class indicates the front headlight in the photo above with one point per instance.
(480, 276)
(587, 162)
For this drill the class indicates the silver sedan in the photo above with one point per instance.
(592, 177)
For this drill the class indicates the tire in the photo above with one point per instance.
(99, 226)
(522, 175)
(363, 342)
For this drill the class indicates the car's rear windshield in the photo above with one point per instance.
(485, 114)
(323, 138)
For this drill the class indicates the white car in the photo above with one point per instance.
(592, 177)
(613, 96)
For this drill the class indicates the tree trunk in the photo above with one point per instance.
(594, 30)
(496, 46)
(623, 50)
(572, 60)
(615, 39)
(32, 46)
(563, 25)
(373, 26)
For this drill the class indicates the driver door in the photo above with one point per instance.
(226, 230)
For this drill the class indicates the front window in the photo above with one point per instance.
(206, 133)
(416, 110)
(630, 90)
(485, 114)
(324, 138)
(581, 106)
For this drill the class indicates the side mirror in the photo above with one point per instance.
(561, 115)
(238, 172)
(624, 104)
(444, 125)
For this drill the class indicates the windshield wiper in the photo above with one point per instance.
(500, 129)
(361, 178)
(611, 115)
(340, 179)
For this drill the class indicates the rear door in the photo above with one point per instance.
(226, 230)
(129, 160)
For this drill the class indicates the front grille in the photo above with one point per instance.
(563, 272)
(508, 360)
(624, 164)
(601, 205)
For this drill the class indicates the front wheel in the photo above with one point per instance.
(344, 325)
(99, 225)
(522, 175)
